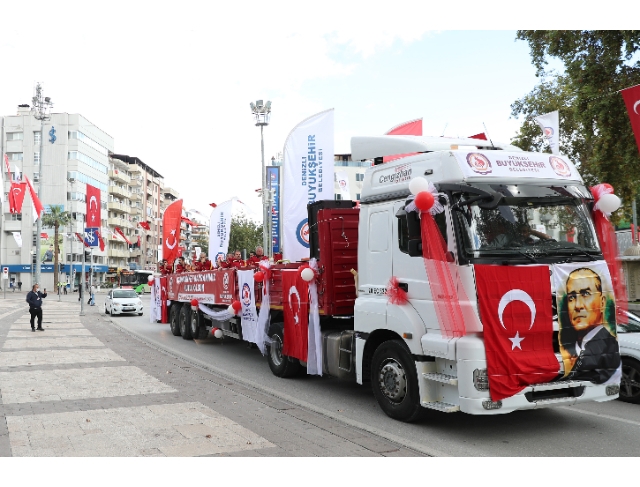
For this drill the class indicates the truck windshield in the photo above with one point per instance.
(560, 226)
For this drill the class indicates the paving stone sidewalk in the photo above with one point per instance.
(83, 388)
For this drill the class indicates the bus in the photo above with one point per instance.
(137, 279)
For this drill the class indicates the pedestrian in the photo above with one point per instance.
(13, 289)
(34, 298)
(79, 292)
(66, 285)
(92, 295)
(19, 285)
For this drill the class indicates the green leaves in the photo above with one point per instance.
(245, 234)
(594, 126)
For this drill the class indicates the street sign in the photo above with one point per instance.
(91, 237)
(5, 273)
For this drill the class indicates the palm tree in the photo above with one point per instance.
(56, 218)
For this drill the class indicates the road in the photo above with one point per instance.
(593, 429)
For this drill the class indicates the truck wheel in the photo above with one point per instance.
(395, 381)
(630, 383)
(185, 322)
(198, 328)
(174, 323)
(280, 365)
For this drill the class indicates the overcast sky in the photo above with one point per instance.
(172, 81)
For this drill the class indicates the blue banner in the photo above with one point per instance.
(273, 176)
(91, 236)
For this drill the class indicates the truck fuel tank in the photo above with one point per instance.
(339, 354)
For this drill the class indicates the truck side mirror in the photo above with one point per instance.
(415, 248)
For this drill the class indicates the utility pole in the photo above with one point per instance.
(41, 111)
(262, 115)
(81, 286)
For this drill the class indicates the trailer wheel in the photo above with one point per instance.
(185, 322)
(198, 328)
(174, 315)
(280, 365)
(395, 381)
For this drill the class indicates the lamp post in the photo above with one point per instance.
(262, 114)
(41, 111)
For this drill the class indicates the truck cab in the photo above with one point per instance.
(501, 206)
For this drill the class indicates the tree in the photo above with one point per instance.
(56, 218)
(245, 233)
(595, 128)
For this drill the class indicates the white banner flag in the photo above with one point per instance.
(307, 177)
(155, 311)
(17, 236)
(343, 184)
(219, 230)
(550, 125)
(249, 315)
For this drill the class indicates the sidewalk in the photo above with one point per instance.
(84, 388)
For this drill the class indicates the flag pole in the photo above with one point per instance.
(81, 286)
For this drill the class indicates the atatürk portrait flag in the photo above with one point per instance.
(516, 312)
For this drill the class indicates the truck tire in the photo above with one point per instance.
(630, 384)
(174, 319)
(198, 328)
(394, 380)
(185, 322)
(280, 365)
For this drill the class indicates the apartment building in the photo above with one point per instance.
(355, 174)
(74, 154)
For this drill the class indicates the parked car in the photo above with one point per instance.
(629, 340)
(122, 301)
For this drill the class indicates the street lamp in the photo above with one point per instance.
(262, 114)
(41, 111)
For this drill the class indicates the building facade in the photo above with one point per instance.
(355, 174)
(74, 153)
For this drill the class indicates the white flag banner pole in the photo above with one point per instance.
(219, 230)
(307, 177)
(343, 183)
(550, 125)
(17, 236)
(249, 315)
(314, 354)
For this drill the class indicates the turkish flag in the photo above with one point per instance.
(93, 206)
(100, 241)
(16, 196)
(171, 231)
(413, 127)
(296, 315)
(516, 311)
(631, 97)
(480, 136)
(144, 225)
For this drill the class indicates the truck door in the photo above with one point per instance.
(411, 273)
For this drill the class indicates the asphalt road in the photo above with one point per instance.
(592, 429)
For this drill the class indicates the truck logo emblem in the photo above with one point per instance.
(302, 233)
(479, 163)
(560, 167)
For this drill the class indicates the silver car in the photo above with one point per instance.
(122, 301)
(629, 341)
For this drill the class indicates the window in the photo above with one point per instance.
(89, 161)
(358, 196)
(15, 136)
(360, 177)
(338, 197)
(36, 157)
(14, 156)
(36, 138)
(36, 175)
(89, 141)
(16, 217)
(83, 178)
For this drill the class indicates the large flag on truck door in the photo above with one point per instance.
(516, 311)
(307, 173)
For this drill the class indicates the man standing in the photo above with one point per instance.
(19, 285)
(589, 350)
(34, 298)
(254, 260)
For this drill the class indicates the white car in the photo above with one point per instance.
(122, 301)
(629, 341)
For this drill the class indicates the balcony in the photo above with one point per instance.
(150, 190)
(120, 191)
(135, 169)
(119, 176)
(136, 210)
(119, 222)
(112, 205)
(136, 181)
(11, 225)
(136, 195)
(170, 194)
(125, 254)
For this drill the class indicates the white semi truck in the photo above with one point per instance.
(411, 364)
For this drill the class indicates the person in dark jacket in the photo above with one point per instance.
(34, 298)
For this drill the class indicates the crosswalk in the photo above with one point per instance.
(67, 365)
